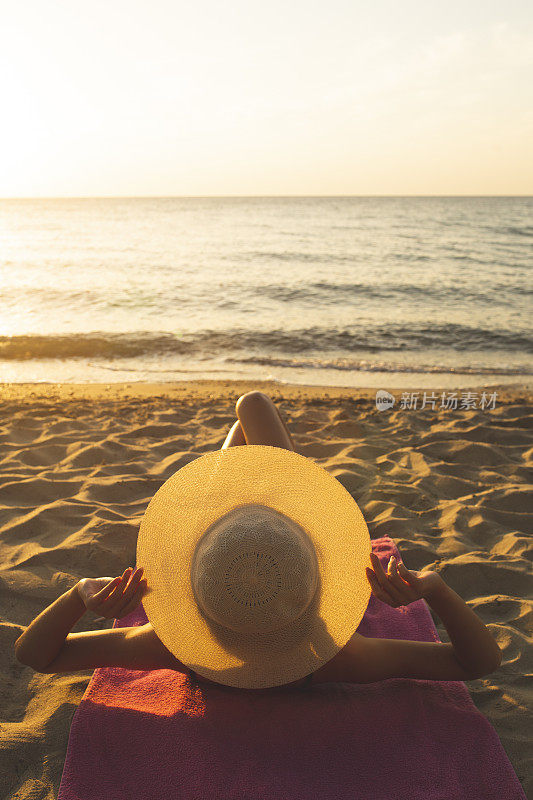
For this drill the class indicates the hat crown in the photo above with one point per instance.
(254, 570)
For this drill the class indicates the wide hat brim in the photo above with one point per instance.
(200, 493)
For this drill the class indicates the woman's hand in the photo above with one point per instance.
(113, 597)
(400, 586)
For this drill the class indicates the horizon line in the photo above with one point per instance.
(249, 196)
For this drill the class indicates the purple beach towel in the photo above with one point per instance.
(162, 735)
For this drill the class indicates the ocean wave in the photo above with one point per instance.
(91, 345)
(525, 230)
(326, 258)
(206, 343)
(238, 295)
(363, 365)
(319, 291)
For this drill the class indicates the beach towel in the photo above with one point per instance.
(164, 735)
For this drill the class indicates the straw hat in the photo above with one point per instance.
(255, 560)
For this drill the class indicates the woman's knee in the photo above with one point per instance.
(254, 401)
(261, 421)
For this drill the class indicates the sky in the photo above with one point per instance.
(257, 97)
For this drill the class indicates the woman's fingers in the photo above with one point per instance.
(104, 593)
(135, 600)
(410, 580)
(109, 601)
(119, 588)
(385, 583)
(397, 586)
(114, 606)
(375, 586)
(404, 589)
(133, 583)
(379, 590)
(129, 592)
(378, 570)
(112, 600)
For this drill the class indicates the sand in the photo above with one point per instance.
(79, 464)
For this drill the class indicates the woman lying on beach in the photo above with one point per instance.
(47, 645)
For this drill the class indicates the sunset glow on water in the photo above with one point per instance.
(339, 291)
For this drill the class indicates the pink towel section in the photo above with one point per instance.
(160, 735)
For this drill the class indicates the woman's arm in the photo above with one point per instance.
(472, 652)
(135, 647)
(474, 646)
(44, 637)
(42, 641)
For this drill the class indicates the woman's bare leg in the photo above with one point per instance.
(261, 421)
(235, 436)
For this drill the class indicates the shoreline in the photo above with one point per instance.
(229, 389)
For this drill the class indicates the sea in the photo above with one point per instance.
(337, 291)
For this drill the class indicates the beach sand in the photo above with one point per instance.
(79, 464)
